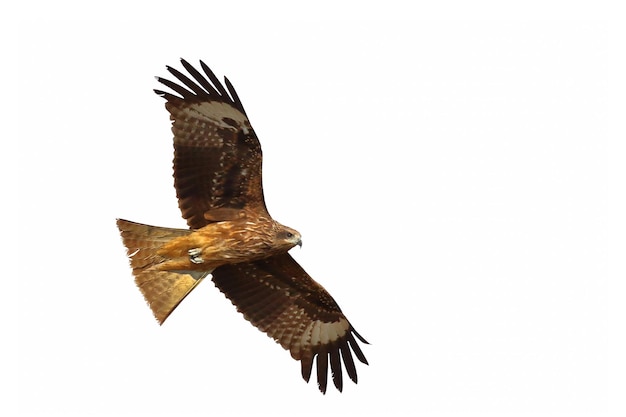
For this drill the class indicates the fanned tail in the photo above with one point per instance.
(163, 290)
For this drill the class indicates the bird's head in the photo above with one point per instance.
(286, 237)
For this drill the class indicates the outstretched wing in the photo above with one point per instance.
(278, 297)
(217, 156)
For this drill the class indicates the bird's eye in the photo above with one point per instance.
(289, 234)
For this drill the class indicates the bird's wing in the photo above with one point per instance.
(278, 297)
(217, 156)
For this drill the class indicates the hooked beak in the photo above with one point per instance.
(299, 243)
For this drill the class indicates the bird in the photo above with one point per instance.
(231, 236)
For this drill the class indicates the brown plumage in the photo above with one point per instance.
(217, 176)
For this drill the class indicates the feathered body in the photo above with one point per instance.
(162, 256)
(217, 176)
(225, 242)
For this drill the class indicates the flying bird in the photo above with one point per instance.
(231, 235)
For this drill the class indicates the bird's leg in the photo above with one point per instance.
(195, 255)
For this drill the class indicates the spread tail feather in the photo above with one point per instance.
(163, 290)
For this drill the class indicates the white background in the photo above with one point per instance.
(449, 177)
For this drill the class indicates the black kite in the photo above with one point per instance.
(217, 176)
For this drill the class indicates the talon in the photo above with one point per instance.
(194, 255)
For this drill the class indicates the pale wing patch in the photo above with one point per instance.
(219, 113)
(336, 330)
(315, 333)
(321, 333)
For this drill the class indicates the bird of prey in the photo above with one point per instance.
(231, 235)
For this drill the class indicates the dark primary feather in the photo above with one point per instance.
(335, 366)
(186, 94)
(213, 79)
(233, 93)
(202, 89)
(200, 78)
(185, 80)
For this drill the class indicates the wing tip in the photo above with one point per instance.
(361, 338)
(338, 355)
(205, 87)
